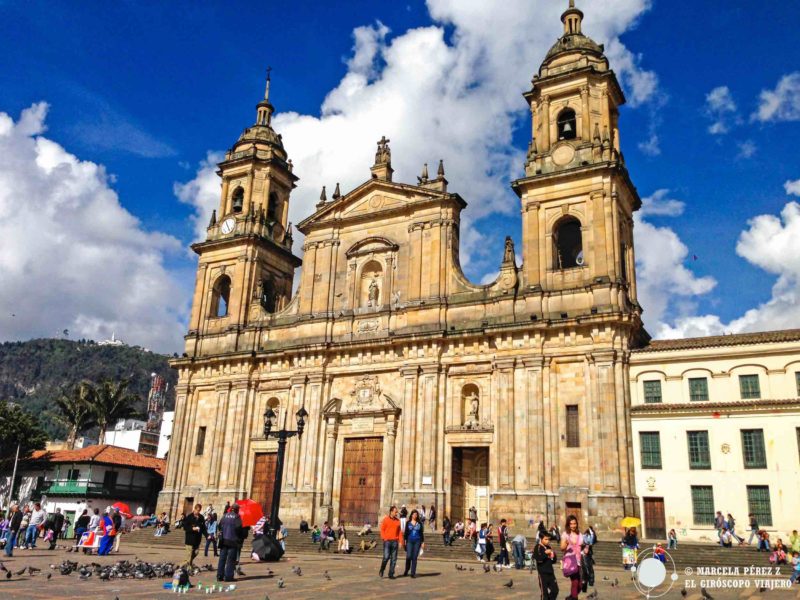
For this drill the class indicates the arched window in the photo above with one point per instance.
(566, 124)
(567, 244)
(273, 207)
(237, 199)
(220, 296)
(372, 292)
(268, 295)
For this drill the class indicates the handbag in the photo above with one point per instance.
(569, 564)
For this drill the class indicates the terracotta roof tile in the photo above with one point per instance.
(737, 339)
(103, 454)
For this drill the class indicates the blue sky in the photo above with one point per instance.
(148, 89)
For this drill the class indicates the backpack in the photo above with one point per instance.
(569, 564)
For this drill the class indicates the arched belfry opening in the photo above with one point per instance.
(566, 125)
(220, 296)
(237, 199)
(568, 244)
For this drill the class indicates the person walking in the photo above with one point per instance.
(630, 547)
(480, 543)
(56, 525)
(505, 544)
(414, 538)
(753, 524)
(116, 517)
(719, 525)
(518, 545)
(571, 541)
(344, 544)
(36, 524)
(211, 533)
(432, 518)
(14, 524)
(545, 557)
(732, 529)
(392, 541)
(231, 527)
(195, 527)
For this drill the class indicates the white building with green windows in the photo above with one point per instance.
(716, 427)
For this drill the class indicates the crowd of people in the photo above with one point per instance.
(22, 527)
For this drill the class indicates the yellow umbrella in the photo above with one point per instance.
(630, 522)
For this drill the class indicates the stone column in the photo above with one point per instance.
(218, 440)
(426, 424)
(410, 375)
(545, 124)
(531, 244)
(586, 131)
(310, 438)
(506, 464)
(331, 427)
(387, 466)
(296, 400)
(178, 448)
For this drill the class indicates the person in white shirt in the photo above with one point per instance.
(38, 517)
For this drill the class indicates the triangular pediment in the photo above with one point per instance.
(372, 197)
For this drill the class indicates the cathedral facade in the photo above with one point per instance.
(421, 387)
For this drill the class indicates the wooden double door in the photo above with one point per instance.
(655, 522)
(360, 497)
(264, 479)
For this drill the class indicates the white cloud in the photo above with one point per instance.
(769, 243)
(657, 204)
(202, 192)
(450, 90)
(792, 187)
(721, 109)
(71, 257)
(651, 146)
(747, 149)
(782, 103)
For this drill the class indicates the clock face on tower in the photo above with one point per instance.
(228, 225)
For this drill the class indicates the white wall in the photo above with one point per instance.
(167, 423)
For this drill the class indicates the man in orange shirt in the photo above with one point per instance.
(392, 540)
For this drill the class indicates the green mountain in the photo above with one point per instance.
(32, 373)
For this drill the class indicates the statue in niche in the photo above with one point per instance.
(472, 416)
(374, 292)
(508, 255)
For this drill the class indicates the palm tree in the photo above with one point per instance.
(77, 411)
(111, 401)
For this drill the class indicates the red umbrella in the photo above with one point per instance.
(124, 509)
(250, 511)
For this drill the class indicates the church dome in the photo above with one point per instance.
(574, 42)
(263, 134)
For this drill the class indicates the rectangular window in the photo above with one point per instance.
(650, 442)
(758, 504)
(201, 441)
(652, 392)
(698, 389)
(749, 387)
(703, 504)
(753, 452)
(797, 382)
(699, 455)
(573, 437)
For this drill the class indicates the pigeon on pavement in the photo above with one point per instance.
(281, 583)
(509, 584)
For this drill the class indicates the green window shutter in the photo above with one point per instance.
(749, 387)
(699, 453)
(650, 443)
(652, 392)
(698, 389)
(703, 504)
(753, 450)
(758, 503)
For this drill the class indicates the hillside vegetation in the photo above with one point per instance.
(33, 373)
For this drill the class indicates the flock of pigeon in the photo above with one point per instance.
(123, 569)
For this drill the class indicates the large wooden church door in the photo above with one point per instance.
(360, 498)
(263, 480)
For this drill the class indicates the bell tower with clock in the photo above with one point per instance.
(246, 266)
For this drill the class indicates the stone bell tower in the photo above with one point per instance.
(578, 271)
(577, 196)
(246, 265)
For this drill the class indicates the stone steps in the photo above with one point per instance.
(607, 554)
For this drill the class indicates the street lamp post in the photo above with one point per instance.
(282, 435)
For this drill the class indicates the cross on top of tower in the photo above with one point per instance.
(269, 76)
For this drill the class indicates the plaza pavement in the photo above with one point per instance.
(351, 576)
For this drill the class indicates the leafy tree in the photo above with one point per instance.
(77, 410)
(111, 401)
(18, 427)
